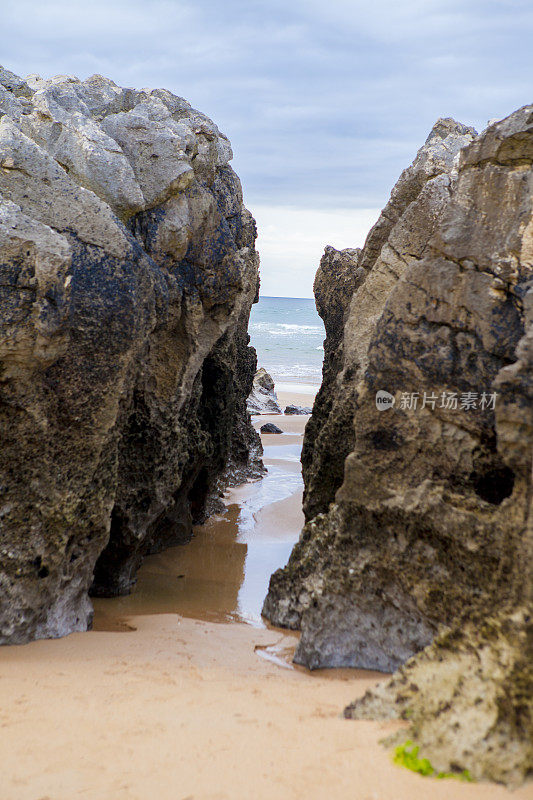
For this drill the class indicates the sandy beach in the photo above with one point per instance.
(174, 695)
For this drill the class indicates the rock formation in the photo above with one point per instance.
(269, 427)
(128, 271)
(426, 525)
(293, 410)
(263, 398)
(329, 436)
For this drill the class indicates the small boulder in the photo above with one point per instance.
(298, 410)
(269, 427)
(262, 398)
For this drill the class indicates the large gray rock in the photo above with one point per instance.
(128, 271)
(263, 398)
(352, 289)
(269, 427)
(429, 522)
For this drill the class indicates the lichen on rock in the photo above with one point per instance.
(128, 272)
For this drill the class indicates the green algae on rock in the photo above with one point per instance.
(468, 699)
(407, 755)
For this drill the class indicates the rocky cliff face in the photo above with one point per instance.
(427, 524)
(352, 287)
(329, 436)
(469, 696)
(128, 271)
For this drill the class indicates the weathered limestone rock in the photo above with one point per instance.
(428, 525)
(128, 271)
(468, 698)
(263, 398)
(329, 437)
(352, 286)
(469, 695)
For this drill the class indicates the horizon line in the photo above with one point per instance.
(284, 297)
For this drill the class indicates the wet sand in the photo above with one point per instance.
(293, 427)
(304, 399)
(176, 697)
(222, 574)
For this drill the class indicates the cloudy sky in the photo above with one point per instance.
(325, 101)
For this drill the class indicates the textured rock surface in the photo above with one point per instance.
(263, 398)
(352, 287)
(128, 271)
(431, 522)
(428, 315)
(297, 410)
(269, 427)
(469, 695)
(468, 698)
(317, 591)
(329, 436)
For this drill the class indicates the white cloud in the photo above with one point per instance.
(291, 242)
(324, 103)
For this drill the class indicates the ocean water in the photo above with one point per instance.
(288, 335)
